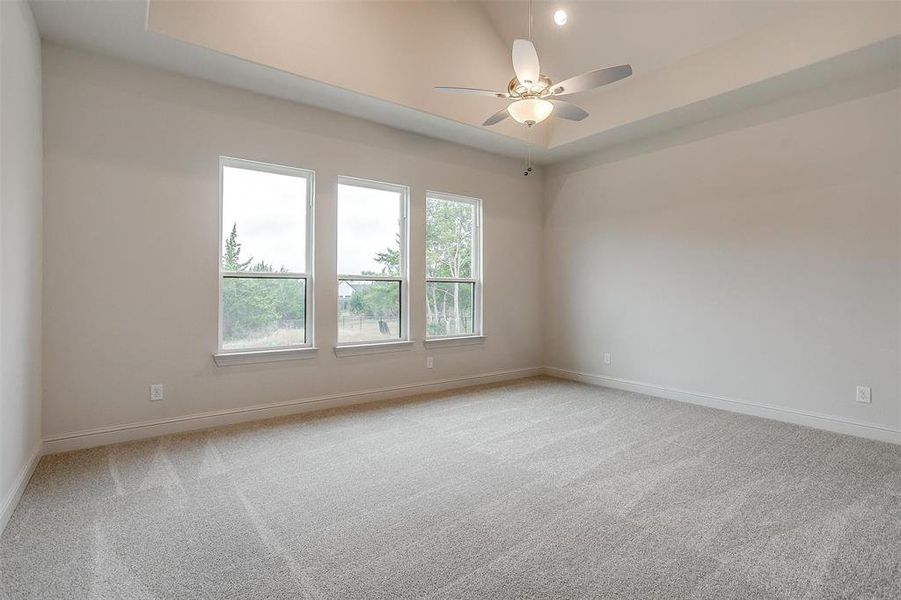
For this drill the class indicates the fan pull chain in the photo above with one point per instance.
(528, 154)
(529, 131)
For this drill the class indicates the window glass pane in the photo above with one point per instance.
(368, 231)
(263, 313)
(450, 228)
(368, 311)
(263, 221)
(449, 308)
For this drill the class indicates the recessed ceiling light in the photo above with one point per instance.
(560, 17)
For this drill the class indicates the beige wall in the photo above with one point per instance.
(753, 258)
(131, 251)
(20, 248)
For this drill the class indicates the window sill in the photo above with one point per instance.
(374, 348)
(227, 359)
(462, 340)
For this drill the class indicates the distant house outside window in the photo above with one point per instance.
(372, 261)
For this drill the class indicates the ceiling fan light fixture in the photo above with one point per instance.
(530, 111)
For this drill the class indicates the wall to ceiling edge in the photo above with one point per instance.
(394, 51)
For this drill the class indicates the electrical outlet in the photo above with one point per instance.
(607, 359)
(156, 392)
(864, 394)
(429, 362)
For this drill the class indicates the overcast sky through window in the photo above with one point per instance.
(368, 223)
(270, 211)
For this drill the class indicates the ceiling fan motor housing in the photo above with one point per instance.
(540, 89)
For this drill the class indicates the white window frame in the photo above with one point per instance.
(227, 356)
(476, 275)
(401, 342)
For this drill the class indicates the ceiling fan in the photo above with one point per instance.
(534, 93)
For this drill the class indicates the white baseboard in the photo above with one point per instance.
(15, 493)
(757, 409)
(101, 436)
(145, 429)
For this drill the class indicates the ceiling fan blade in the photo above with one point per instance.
(591, 80)
(568, 111)
(525, 61)
(471, 91)
(496, 118)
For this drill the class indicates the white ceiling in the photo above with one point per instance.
(647, 35)
(379, 60)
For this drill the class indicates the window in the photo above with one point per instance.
(453, 245)
(266, 256)
(372, 261)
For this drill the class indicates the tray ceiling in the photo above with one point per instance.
(380, 60)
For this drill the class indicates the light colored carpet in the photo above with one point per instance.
(534, 489)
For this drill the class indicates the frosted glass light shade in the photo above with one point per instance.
(530, 111)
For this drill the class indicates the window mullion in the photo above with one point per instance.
(370, 278)
(262, 275)
(451, 280)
